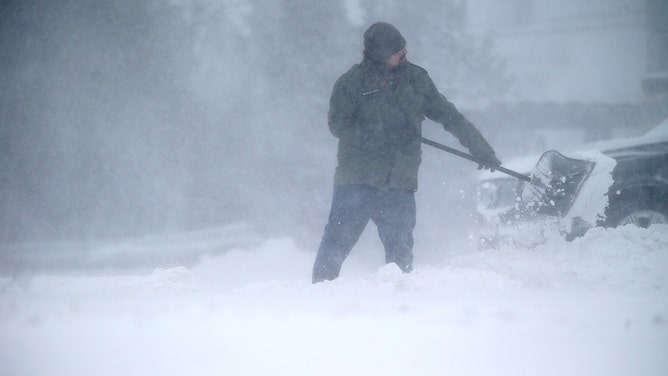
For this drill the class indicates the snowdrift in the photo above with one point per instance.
(595, 306)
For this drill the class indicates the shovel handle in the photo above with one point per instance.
(473, 159)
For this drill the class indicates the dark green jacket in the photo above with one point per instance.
(359, 116)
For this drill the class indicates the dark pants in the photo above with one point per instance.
(393, 212)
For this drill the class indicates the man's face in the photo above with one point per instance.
(397, 59)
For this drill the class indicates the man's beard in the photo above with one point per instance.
(401, 66)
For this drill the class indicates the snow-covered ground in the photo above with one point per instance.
(596, 306)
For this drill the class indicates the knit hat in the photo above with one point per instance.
(382, 40)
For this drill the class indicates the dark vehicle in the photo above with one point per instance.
(634, 190)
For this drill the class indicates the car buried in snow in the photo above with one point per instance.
(629, 185)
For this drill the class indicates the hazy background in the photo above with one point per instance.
(123, 118)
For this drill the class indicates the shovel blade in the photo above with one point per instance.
(555, 183)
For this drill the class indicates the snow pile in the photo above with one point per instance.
(590, 204)
(173, 280)
(275, 260)
(595, 306)
(604, 260)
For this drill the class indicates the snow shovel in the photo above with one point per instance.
(553, 184)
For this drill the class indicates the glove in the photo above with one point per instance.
(489, 162)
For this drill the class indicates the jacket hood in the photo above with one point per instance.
(382, 40)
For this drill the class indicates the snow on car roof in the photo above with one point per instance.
(660, 132)
(525, 164)
(656, 135)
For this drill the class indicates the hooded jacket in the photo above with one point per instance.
(379, 126)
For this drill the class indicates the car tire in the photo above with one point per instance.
(641, 208)
(644, 218)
